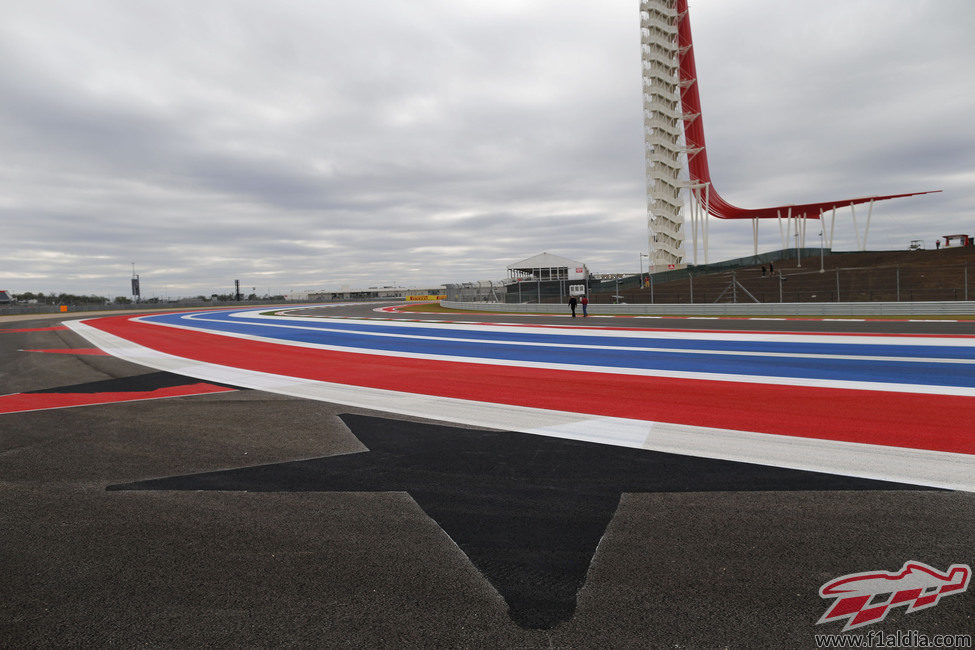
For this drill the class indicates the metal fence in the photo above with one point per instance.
(16, 309)
(867, 284)
(909, 283)
(484, 291)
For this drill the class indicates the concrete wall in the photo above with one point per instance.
(742, 309)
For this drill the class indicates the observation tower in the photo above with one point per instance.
(677, 157)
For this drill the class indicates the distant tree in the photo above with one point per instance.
(122, 300)
(72, 299)
(252, 296)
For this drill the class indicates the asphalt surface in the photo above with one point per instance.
(919, 325)
(243, 518)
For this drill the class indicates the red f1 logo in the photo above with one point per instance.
(865, 598)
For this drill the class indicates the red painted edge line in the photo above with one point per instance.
(22, 402)
(910, 420)
(86, 351)
(34, 329)
(131, 315)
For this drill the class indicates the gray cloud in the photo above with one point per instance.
(315, 145)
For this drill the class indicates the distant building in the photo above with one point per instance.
(545, 278)
(545, 267)
(375, 293)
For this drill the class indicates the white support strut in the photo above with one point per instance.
(832, 228)
(867, 230)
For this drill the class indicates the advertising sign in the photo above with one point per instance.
(577, 273)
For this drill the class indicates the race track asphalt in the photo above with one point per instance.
(220, 517)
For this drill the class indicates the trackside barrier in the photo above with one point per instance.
(739, 309)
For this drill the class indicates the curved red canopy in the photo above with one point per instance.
(698, 154)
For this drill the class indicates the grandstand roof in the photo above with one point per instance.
(545, 261)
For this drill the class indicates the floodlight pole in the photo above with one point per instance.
(646, 255)
(136, 289)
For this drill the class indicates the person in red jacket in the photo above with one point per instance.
(585, 306)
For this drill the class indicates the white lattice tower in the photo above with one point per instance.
(662, 126)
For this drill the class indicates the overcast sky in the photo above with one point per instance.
(328, 143)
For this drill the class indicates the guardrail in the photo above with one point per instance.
(739, 309)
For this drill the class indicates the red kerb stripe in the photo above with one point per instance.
(912, 420)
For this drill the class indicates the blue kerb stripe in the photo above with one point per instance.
(568, 352)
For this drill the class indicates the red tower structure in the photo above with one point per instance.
(666, 20)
